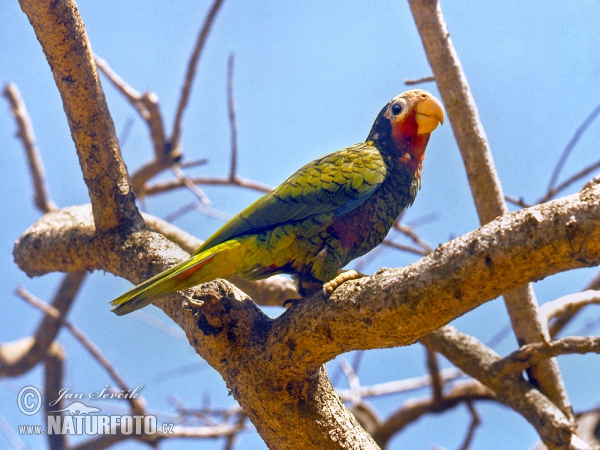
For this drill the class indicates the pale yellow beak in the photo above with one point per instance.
(429, 115)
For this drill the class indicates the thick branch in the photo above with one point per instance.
(486, 189)
(60, 31)
(475, 359)
(522, 246)
(273, 367)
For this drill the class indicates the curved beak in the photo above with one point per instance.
(429, 115)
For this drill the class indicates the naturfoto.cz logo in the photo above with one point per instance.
(77, 418)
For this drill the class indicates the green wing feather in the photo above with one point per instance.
(335, 183)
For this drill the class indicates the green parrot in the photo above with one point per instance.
(334, 209)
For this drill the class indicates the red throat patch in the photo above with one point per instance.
(409, 144)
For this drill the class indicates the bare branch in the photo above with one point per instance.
(25, 133)
(20, 356)
(475, 421)
(282, 358)
(10, 434)
(474, 358)
(49, 310)
(167, 186)
(434, 372)
(147, 106)
(191, 72)
(414, 409)
(410, 82)
(194, 189)
(53, 383)
(400, 386)
(564, 308)
(569, 181)
(353, 381)
(199, 208)
(410, 232)
(486, 189)
(240, 423)
(232, 123)
(517, 201)
(61, 32)
(569, 148)
(405, 248)
(533, 353)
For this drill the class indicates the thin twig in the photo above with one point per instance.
(414, 409)
(563, 309)
(10, 434)
(240, 422)
(232, 123)
(168, 186)
(401, 386)
(25, 133)
(195, 163)
(569, 181)
(413, 81)
(148, 107)
(204, 210)
(405, 248)
(531, 354)
(82, 338)
(571, 145)
(358, 357)
(434, 372)
(54, 368)
(26, 353)
(516, 201)
(410, 232)
(353, 382)
(193, 187)
(475, 421)
(191, 72)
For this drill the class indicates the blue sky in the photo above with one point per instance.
(310, 78)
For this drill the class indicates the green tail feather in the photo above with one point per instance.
(220, 261)
(174, 279)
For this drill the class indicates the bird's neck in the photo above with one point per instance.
(401, 144)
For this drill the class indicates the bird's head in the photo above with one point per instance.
(402, 128)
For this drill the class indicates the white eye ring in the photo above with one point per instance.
(397, 108)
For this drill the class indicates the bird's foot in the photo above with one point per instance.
(341, 278)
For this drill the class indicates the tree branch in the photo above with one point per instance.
(483, 180)
(20, 356)
(533, 353)
(61, 32)
(191, 72)
(563, 309)
(25, 133)
(567, 151)
(281, 358)
(555, 429)
(414, 409)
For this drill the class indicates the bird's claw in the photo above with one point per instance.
(340, 279)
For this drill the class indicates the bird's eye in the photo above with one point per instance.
(396, 109)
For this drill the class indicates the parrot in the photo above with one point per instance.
(329, 212)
